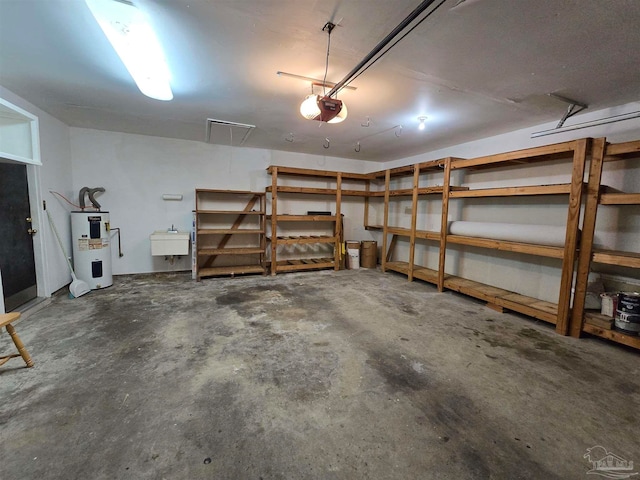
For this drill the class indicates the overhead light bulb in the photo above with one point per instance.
(422, 125)
(136, 44)
(322, 107)
(309, 108)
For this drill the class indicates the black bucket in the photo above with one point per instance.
(628, 313)
(627, 323)
(629, 303)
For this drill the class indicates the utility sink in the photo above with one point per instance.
(166, 243)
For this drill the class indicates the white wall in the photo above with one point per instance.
(615, 132)
(136, 170)
(54, 174)
(529, 275)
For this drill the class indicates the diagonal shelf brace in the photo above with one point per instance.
(236, 225)
(573, 108)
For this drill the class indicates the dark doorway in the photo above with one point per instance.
(16, 245)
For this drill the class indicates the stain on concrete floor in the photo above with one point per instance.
(319, 375)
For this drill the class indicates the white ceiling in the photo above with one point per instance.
(479, 69)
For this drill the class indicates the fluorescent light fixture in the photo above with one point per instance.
(136, 44)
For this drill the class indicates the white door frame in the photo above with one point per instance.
(26, 150)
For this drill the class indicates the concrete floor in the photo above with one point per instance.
(319, 375)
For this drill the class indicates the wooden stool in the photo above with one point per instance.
(5, 321)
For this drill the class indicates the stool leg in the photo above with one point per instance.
(20, 346)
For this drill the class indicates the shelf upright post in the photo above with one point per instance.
(338, 224)
(571, 237)
(586, 240)
(385, 224)
(444, 222)
(263, 227)
(274, 220)
(367, 189)
(414, 215)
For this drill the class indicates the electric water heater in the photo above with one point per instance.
(92, 248)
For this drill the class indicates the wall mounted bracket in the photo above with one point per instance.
(573, 108)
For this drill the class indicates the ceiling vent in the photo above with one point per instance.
(222, 132)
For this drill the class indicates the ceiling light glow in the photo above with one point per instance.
(422, 125)
(309, 108)
(323, 109)
(136, 44)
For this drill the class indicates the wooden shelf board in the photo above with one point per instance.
(228, 212)
(231, 270)
(395, 172)
(596, 319)
(403, 192)
(355, 193)
(614, 335)
(304, 218)
(361, 193)
(225, 231)
(620, 199)
(425, 274)
(419, 272)
(232, 192)
(356, 176)
(619, 151)
(308, 172)
(322, 191)
(506, 246)
(230, 251)
(609, 189)
(432, 165)
(474, 289)
(305, 190)
(532, 307)
(527, 155)
(408, 192)
(401, 231)
(304, 264)
(617, 257)
(563, 188)
(406, 232)
(427, 235)
(406, 170)
(400, 267)
(303, 239)
(373, 227)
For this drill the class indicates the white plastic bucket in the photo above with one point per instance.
(353, 254)
(609, 304)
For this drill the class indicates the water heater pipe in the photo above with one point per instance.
(91, 192)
